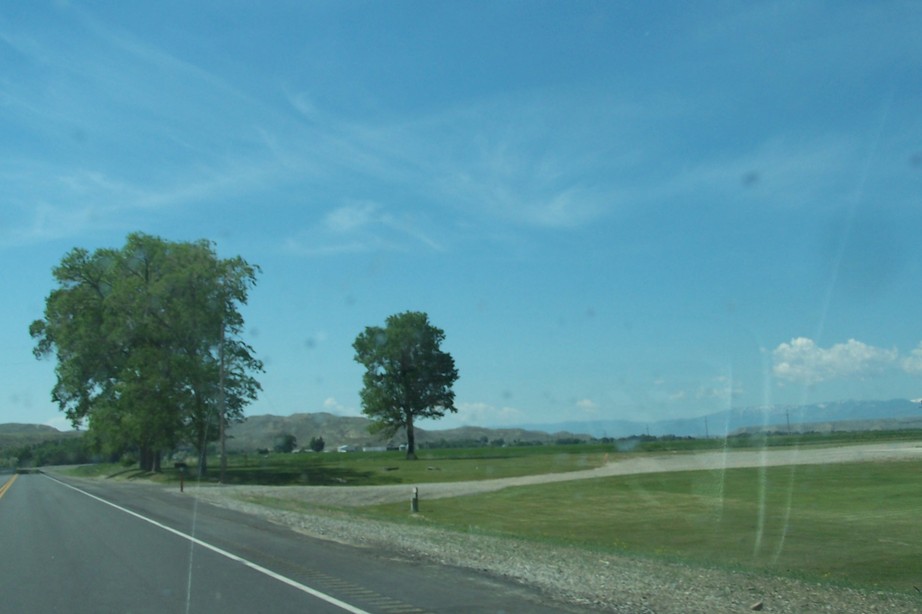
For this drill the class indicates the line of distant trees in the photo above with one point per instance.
(499, 442)
(286, 443)
(68, 451)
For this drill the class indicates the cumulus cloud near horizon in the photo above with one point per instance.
(913, 363)
(802, 361)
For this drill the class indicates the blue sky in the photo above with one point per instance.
(614, 210)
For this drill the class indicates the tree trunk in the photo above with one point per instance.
(203, 462)
(156, 461)
(145, 459)
(411, 438)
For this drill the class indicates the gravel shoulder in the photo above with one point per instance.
(600, 581)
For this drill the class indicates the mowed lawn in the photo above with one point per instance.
(859, 524)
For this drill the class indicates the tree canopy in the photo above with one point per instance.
(147, 342)
(407, 374)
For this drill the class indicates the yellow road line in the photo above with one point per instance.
(9, 483)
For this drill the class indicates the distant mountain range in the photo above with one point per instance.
(261, 431)
(264, 431)
(836, 415)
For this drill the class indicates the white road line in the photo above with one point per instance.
(268, 572)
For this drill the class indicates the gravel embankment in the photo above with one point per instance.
(608, 582)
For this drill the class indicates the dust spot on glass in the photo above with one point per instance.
(915, 160)
(750, 179)
(869, 257)
(23, 401)
(349, 300)
(590, 313)
(254, 332)
(310, 343)
(79, 136)
(506, 394)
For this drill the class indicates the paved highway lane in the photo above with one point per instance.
(65, 550)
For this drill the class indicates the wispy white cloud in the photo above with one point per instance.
(552, 158)
(546, 158)
(362, 226)
(352, 217)
(677, 395)
(99, 102)
(720, 388)
(480, 414)
(331, 405)
(779, 173)
(49, 202)
(802, 361)
(528, 158)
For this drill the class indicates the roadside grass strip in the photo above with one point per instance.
(8, 484)
(855, 524)
(377, 468)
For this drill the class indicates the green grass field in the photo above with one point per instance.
(452, 465)
(857, 524)
(377, 468)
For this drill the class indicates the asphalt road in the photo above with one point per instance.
(89, 546)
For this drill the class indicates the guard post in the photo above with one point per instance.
(182, 475)
(414, 501)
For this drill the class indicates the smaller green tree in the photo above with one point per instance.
(317, 444)
(407, 374)
(285, 443)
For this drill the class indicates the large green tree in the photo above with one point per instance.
(147, 343)
(407, 374)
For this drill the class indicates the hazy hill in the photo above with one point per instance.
(894, 424)
(772, 417)
(14, 435)
(262, 431)
(15, 428)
